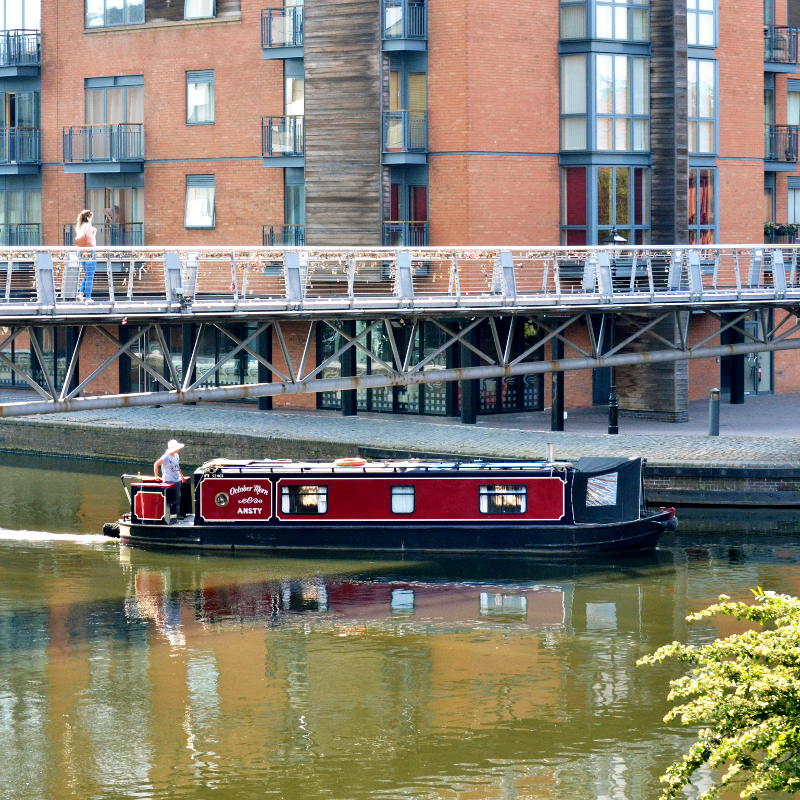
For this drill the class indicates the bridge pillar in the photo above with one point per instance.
(264, 349)
(736, 365)
(188, 334)
(349, 367)
(470, 390)
(557, 386)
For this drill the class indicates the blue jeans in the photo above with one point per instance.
(89, 263)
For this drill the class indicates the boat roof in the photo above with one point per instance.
(414, 465)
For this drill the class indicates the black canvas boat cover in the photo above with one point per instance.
(607, 489)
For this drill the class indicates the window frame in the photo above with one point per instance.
(292, 492)
(212, 15)
(694, 116)
(404, 493)
(632, 90)
(105, 23)
(697, 229)
(197, 77)
(488, 491)
(694, 15)
(200, 182)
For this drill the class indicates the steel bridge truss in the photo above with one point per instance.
(612, 338)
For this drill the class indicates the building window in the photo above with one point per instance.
(503, 499)
(573, 102)
(595, 201)
(622, 88)
(200, 97)
(304, 499)
(19, 15)
(617, 19)
(794, 207)
(700, 23)
(199, 9)
(108, 13)
(20, 217)
(702, 91)
(702, 217)
(403, 499)
(573, 20)
(114, 100)
(199, 201)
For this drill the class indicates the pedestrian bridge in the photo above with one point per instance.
(40, 285)
(593, 307)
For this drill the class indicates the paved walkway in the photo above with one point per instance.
(764, 432)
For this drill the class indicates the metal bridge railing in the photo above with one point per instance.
(33, 281)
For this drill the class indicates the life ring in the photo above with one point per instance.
(349, 462)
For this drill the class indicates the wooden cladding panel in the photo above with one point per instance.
(342, 122)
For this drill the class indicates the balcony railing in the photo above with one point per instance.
(23, 234)
(405, 131)
(111, 234)
(282, 27)
(20, 49)
(20, 146)
(283, 235)
(781, 44)
(780, 233)
(103, 143)
(781, 143)
(403, 19)
(282, 136)
(405, 233)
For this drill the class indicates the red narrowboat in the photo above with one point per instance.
(594, 505)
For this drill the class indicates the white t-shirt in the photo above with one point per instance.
(170, 468)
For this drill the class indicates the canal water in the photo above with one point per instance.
(136, 674)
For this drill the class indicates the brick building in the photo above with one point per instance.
(222, 122)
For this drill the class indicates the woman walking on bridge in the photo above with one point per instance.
(86, 236)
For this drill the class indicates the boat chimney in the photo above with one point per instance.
(551, 457)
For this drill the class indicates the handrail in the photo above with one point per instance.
(147, 280)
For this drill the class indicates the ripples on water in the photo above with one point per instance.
(133, 674)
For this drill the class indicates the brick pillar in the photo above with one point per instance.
(660, 391)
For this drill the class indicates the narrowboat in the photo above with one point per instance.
(594, 505)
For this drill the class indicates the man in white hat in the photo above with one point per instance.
(170, 465)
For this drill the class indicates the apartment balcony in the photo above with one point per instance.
(117, 234)
(282, 141)
(780, 233)
(405, 25)
(282, 32)
(20, 151)
(781, 147)
(23, 234)
(405, 233)
(20, 54)
(780, 48)
(283, 235)
(405, 137)
(104, 148)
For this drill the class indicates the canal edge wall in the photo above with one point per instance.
(667, 484)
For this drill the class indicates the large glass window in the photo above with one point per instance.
(198, 9)
(107, 13)
(115, 100)
(200, 201)
(304, 499)
(700, 23)
(622, 89)
(618, 19)
(702, 91)
(200, 97)
(17, 15)
(702, 217)
(595, 201)
(794, 207)
(612, 19)
(573, 102)
(21, 217)
(503, 499)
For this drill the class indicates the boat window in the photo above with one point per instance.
(503, 499)
(503, 604)
(601, 490)
(304, 499)
(403, 499)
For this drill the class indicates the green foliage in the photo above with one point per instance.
(744, 693)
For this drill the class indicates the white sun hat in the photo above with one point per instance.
(173, 445)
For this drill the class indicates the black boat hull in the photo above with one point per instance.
(633, 536)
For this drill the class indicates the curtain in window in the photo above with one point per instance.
(199, 203)
(294, 102)
(793, 108)
(573, 22)
(134, 105)
(198, 9)
(200, 102)
(794, 206)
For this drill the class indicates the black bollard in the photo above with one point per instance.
(713, 412)
(613, 409)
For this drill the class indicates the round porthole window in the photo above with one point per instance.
(221, 499)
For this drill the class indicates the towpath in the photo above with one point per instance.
(764, 432)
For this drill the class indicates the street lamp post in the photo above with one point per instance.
(615, 240)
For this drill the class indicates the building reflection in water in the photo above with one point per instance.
(176, 676)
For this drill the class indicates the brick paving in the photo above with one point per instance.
(764, 432)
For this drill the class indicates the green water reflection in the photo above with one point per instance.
(133, 674)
